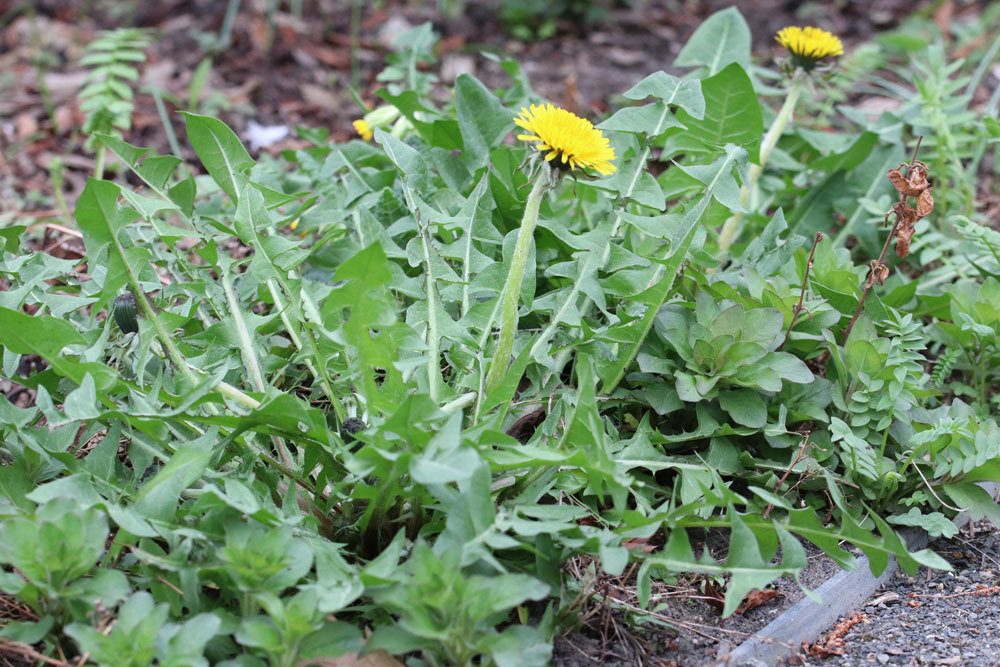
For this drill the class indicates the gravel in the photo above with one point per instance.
(934, 617)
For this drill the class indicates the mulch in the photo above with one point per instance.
(299, 71)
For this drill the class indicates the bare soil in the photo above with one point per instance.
(682, 626)
(300, 71)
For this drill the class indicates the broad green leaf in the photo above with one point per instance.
(101, 220)
(482, 118)
(684, 93)
(155, 170)
(221, 152)
(745, 406)
(850, 158)
(641, 120)
(157, 499)
(41, 335)
(732, 112)
(975, 500)
(407, 160)
(721, 39)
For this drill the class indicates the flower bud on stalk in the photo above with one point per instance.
(125, 313)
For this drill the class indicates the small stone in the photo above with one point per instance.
(882, 658)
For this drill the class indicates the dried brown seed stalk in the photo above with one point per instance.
(915, 184)
(877, 273)
(916, 181)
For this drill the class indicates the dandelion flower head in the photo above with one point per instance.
(563, 135)
(809, 45)
(363, 129)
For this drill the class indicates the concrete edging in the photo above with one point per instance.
(841, 594)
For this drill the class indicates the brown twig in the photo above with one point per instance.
(798, 457)
(797, 308)
(18, 648)
(881, 258)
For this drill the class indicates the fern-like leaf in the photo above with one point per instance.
(107, 96)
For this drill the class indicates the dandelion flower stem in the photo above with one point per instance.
(512, 287)
(734, 225)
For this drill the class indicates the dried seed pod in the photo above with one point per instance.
(907, 218)
(904, 233)
(125, 313)
(901, 184)
(877, 273)
(918, 178)
(925, 203)
(913, 184)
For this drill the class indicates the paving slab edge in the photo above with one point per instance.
(806, 620)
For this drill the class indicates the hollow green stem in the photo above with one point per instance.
(734, 225)
(512, 288)
(99, 163)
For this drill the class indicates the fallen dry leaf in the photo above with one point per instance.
(756, 598)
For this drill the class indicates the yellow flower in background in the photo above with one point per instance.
(362, 127)
(564, 135)
(809, 45)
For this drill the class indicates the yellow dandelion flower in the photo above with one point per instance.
(564, 135)
(362, 127)
(809, 45)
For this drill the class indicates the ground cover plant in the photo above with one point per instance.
(374, 396)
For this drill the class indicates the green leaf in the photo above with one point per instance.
(788, 366)
(745, 406)
(81, 403)
(482, 118)
(641, 120)
(101, 219)
(732, 112)
(935, 523)
(155, 170)
(41, 335)
(407, 159)
(849, 159)
(445, 459)
(653, 298)
(723, 38)
(684, 93)
(745, 563)
(975, 500)
(221, 152)
(157, 499)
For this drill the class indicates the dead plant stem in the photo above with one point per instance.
(798, 457)
(885, 247)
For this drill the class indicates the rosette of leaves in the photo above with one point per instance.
(729, 354)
